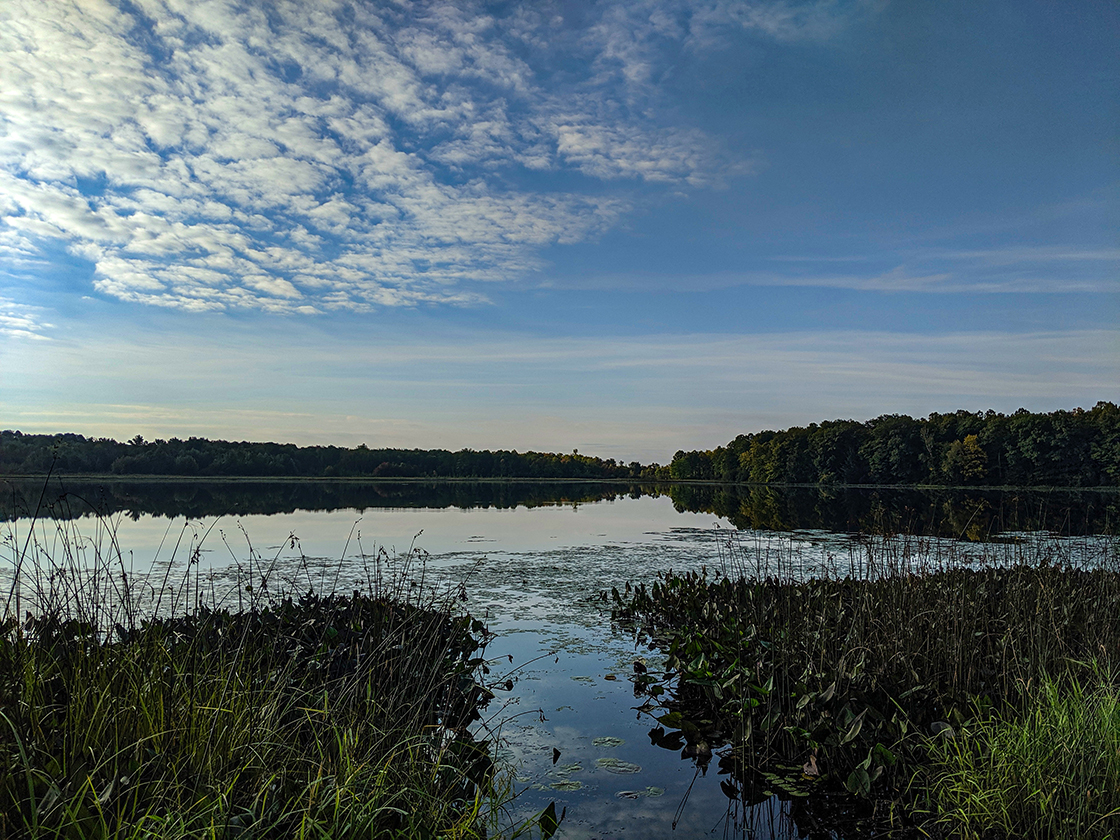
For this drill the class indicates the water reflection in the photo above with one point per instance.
(534, 558)
(969, 514)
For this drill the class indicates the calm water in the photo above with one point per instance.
(533, 561)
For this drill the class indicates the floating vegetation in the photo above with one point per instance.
(617, 766)
(567, 785)
(649, 792)
(608, 741)
(563, 771)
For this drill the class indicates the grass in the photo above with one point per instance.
(1052, 772)
(847, 672)
(133, 709)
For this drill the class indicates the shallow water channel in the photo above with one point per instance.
(534, 576)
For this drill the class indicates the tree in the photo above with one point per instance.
(965, 461)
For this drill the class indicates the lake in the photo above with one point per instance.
(533, 560)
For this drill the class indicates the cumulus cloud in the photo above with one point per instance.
(303, 156)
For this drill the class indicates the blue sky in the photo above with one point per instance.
(625, 228)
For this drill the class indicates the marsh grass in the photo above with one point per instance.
(134, 708)
(1051, 772)
(838, 677)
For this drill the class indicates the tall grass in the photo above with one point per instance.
(132, 708)
(1052, 772)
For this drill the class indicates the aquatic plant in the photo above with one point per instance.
(274, 715)
(836, 679)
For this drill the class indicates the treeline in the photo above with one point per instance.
(75, 454)
(1075, 448)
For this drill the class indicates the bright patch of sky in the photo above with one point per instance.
(623, 227)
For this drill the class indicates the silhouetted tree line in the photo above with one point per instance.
(76, 454)
(1075, 448)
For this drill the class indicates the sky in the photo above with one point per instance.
(625, 228)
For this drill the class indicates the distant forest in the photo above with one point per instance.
(1075, 448)
(75, 454)
(1062, 449)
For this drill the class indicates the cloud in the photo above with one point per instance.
(19, 320)
(489, 389)
(306, 156)
(1019, 270)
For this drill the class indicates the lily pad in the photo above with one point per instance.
(567, 784)
(650, 791)
(608, 741)
(564, 770)
(617, 766)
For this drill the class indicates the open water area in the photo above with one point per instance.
(532, 562)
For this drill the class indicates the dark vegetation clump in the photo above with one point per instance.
(845, 690)
(314, 716)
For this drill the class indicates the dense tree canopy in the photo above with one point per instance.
(1075, 448)
(75, 454)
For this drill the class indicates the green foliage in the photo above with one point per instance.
(1052, 771)
(335, 716)
(1064, 448)
(858, 671)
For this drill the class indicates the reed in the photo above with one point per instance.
(1051, 772)
(162, 707)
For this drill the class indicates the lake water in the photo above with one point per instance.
(532, 561)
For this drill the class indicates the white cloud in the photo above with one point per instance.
(19, 320)
(192, 150)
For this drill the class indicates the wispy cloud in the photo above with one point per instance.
(19, 320)
(307, 156)
(1022, 269)
(493, 389)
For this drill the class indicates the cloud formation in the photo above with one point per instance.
(21, 321)
(303, 156)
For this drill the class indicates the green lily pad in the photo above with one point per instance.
(650, 791)
(618, 766)
(564, 770)
(567, 784)
(608, 741)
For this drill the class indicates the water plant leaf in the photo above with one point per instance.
(943, 729)
(565, 770)
(671, 719)
(608, 741)
(618, 766)
(859, 782)
(548, 821)
(854, 729)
